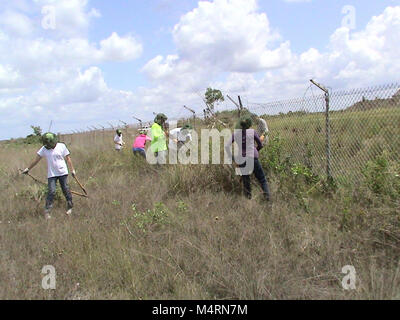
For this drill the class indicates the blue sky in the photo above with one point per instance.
(106, 60)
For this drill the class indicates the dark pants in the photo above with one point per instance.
(52, 191)
(139, 151)
(259, 173)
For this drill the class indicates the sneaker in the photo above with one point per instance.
(69, 208)
(47, 213)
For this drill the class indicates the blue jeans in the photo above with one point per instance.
(259, 173)
(140, 151)
(52, 190)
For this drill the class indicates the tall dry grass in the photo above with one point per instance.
(186, 232)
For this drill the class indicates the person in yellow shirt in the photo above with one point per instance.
(158, 139)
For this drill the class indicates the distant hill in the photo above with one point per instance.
(377, 103)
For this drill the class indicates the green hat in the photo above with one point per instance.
(119, 131)
(187, 127)
(161, 117)
(245, 122)
(49, 140)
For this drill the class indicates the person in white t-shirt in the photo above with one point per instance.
(179, 136)
(118, 140)
(55, 152)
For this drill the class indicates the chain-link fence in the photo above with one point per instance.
(100, 137)
(339, 132)
(334, 134)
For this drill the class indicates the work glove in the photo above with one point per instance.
(25, 171)
(73, 173)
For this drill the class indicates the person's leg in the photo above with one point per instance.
(139, 151)
(142, 152)
(156, 157)
(51, 192)
(246, 180)
(66, 191)
(259, 173)
(247, 186)
(162, 157)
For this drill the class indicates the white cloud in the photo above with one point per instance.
(230, 35)
(9, 78)
(86, 87)
(116, 48)
(227, 44)
(54, 74)
(212, 51)
(15, 23)
(72, 17)
(217, 37)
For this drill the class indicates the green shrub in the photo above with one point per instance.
(383, 176)
(150, 219)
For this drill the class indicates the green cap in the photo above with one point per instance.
(161, 117)
(49, 140)
(187, 127)
(245, 122)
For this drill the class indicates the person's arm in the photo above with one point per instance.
(33, 164)
(173, 136)
(69, 161)
(258, 141)
(146, 139)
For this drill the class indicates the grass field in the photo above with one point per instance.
(186, 232)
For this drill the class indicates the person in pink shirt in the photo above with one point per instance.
(140, 143)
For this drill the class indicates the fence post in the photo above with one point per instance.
(327, 130)
(328, 137)
(194, 116)
(241, 106)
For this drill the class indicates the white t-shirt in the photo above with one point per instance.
(180, 135)
(56, 165)
(118, 140)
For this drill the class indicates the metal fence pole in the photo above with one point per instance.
(327, 130)
(328, 137)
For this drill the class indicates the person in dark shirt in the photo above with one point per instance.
(249, 144)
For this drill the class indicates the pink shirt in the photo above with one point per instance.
(140, 141)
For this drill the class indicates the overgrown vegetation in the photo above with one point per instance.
(186, 232)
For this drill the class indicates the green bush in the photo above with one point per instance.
(383, 176)
(150, 219)
(272, 158)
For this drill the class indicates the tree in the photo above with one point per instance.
(213, 96)
(37, 131)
